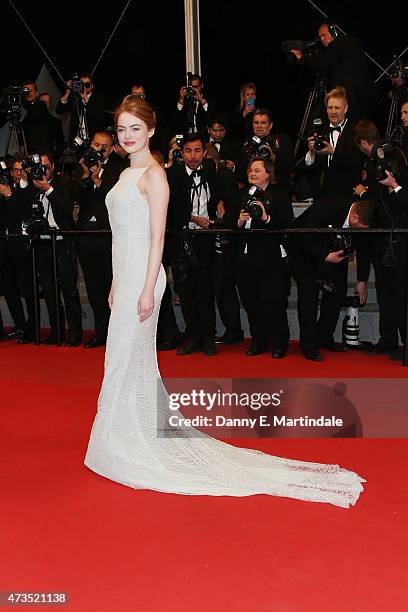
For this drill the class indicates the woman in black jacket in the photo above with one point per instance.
(262, 272)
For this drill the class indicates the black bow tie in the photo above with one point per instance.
(195, 173)
(336, 129)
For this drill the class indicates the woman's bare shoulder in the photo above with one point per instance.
(155, 172)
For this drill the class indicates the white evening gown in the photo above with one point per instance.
(124, 444)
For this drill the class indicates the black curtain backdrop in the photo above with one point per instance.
(240, 41)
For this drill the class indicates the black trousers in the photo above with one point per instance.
(226, 293)
(264, 292)
(197, 301)
(167, 328)
(68, 282)
(95, 256)
(17, 281)
(316, 331)
(391, 288)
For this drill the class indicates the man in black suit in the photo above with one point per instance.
(55, 198)
(95, 252)
(229, 150)
(193, 203)
(318, 262)
(279, 145)
(38, 125)
(390, 252)
(192, 108)
(343, 59)
(16, 269)
(334, 161)
(87, 108)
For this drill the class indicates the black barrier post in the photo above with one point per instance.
(56, 287)
(37, 315)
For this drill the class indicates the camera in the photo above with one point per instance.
(387, 156)
(251, 205)
(341, 242)
(190, 90)
(258, 147)
(186, 263)
(4, 173)
(76, 84)
(36, 224)
(33, 164)
(93, 158)
(321, 137)
(177, 154)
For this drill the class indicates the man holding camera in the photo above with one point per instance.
(16, 265)
(276, 147)
(333, 159)
(193, 203)
(55, 200)
(192, 107)
(387, 183)
(320, 262)
(86, 106)
(97, 173)
(228, 149)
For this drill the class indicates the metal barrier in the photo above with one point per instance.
(53, 233)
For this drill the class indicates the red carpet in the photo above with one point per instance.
(115, 549)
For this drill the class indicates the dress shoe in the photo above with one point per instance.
(333, 347)
(230, 338)
(312, 355)
(380, 348)
(255, 350)
(278, 353)
(188, 347)
(209, 348)
(94, 342)
(168, 345)
(13, 334)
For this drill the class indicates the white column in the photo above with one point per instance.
(192, 29)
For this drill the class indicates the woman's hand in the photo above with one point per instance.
(145, 306)
(243, 218)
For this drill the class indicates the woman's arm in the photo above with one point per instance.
(154, 184)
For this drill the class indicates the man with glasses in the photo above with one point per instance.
(87, 108)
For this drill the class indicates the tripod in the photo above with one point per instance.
(394, 129)
(315, 101)
(16, 130)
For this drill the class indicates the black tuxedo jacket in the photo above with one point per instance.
(91, 200)
(344, 171)
(183, 118)
(310, 250)
(181, 206)
(95, 114)
(231, 149)
(263, 249)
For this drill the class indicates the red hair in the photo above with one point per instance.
(139, 108)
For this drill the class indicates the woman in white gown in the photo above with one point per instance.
(125, 443)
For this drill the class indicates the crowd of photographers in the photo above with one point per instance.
(225, 172)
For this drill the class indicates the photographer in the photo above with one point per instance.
(86, 106)
(343, 58)
(55, 201)
(229, 150)
(387, 183)
(38, 125)
(262, 272)
(334, 161)
(17, 273)
(97, 172)
(193, 203)
(192, 107)
(265, 144)
(320, 262)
